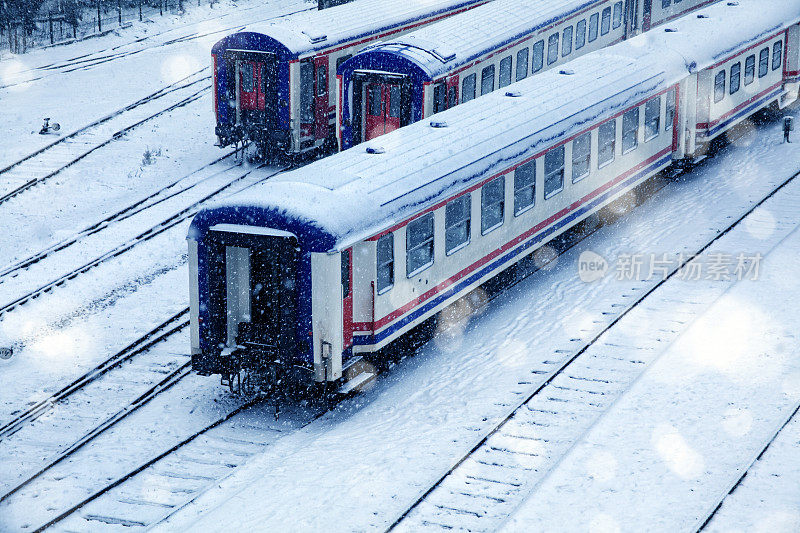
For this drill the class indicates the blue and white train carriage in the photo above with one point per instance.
(272, 84)
(314, 268)
(405, 79)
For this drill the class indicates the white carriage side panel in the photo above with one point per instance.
(326, 312)
(294, 104)
(237, 283)
(792, 67)
(364, 271)
(687, 117)
(194, 298)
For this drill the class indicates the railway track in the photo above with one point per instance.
(49, 161)
(507, 462)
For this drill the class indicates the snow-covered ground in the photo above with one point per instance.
(721, 367)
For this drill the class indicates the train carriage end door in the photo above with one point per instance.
(321, 97)
(452, 91)
(647, 13)
(383, 109)
(347, 298)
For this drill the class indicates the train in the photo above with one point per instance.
(274, 85)
(398, 81)
(306, 275)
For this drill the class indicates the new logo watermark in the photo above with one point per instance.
(713, 266)
(591, 266)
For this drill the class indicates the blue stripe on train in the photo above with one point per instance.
(366, 340)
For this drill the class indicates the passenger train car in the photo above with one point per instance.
(273, 85)
(310, 271)
(396, 82)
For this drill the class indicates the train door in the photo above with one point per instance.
(452, 91)
(307, 99)
(631, 17)
(256, 88)
(383, 109)
(321, 97)
(347, 298)
(647, 13)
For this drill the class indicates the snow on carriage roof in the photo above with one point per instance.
(318, 30)
(353, 195)
(469, 35)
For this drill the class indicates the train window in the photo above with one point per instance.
(505, 71)
(581, 156)
(652, 118)
(493, 202)
(671, 103)
(537, 62)
(763, 63)
(345, 273)
(594, 23)
(452, 96)
(522, 64)
(375, 101)
(385, 265)
(487, 80)
(777, 55)
(605, 25)
(553, 172)
(566, 42)
(468, 88)
(419, 244)
(606, 143)
(439, 97)
(552, 49)
(322, 80)
(306, 92)
(617, 15)
(524, 187)
(719, 86)
(457, 222)
(341, 60)
(580, 34)
(750, 70)
(665, 4)
(630, 130)
(247, 76)
(736, 77)
(394, 101)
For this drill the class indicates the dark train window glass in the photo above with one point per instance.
(487, 80)
(763, 63)
(606, 143)
(580, 34)
(617, 15)
(665, 4)
(594, 23)
(375, 101)
(605, 25)
(468, 88)
(493, 196)
(341, 60)
(553, 172)
(524, 187)
(581, 156)
(522, 64)
(719, 86)
(537, 62)
(452, 96)
(456, 222)
(385, 262)
(505, 71)
(736, 77)
(247, 76)
(777, 55)
(322, 80)
(552, 48)
(345, 273)
(419, 244)
(439, 95)
(630, 130)
(394, 101)
(671, 103)
(306, 92)
(652, 118)
(750, 70)
(566, 42)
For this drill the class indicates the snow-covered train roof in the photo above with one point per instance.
(317, 30)
(441, 47)
(347, 197)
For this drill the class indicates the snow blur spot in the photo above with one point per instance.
(604, 523)
(514, 353)
(791, 386)
(678, 455)
(60, 346)
(737, 422)
(760, 224)
(780, 521)
(744, 135)
(177, 67)
(602, 466)
(545, 258)
(454, 319)
(10, 73)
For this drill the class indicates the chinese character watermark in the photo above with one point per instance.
(711, 266)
